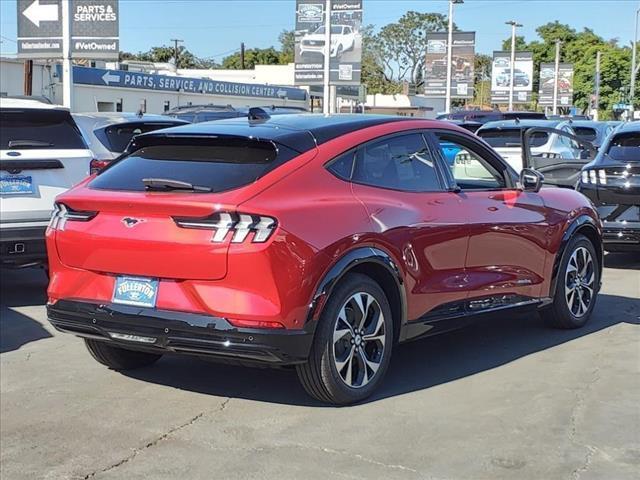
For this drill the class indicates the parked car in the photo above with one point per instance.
(42, 154)
(108, 133)
(612, 183)
(520, 78)
(313, 241)
(209, 113)
(343, 38)
(563, 156)
(592, 131)
(484, 116)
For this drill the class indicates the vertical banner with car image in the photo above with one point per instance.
(522, 77)
(462, 57)
(346, 42)
(565, 84)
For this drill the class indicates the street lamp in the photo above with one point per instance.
(449, 55)
(514, 25)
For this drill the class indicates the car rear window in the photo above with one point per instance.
(625, 147)
(222, 163)
(511, 137)
(37, 129)
(586, 133)
(115, 138)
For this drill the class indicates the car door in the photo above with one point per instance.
(562, 160)
(506, 255)
(413, 214)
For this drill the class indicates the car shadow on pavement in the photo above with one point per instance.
(20, 288)
(623, 261)
(418, 365)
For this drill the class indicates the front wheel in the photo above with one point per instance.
(352, 345)
(577, 285)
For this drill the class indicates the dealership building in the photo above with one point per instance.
(157, 87)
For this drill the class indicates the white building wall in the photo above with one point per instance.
(12, 78)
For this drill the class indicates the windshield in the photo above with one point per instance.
(586, 133)
(334, 30)
(625, 147)
(216, 163)
(511, 137)
(34, 128)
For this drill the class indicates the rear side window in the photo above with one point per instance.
(625, 147)
(586, 133)
(36, 129)
(116, 137)
(342, 166)
(217, 163)
(398, 163)
(511, 137)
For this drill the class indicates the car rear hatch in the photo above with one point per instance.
(170, 208)
(42, 154)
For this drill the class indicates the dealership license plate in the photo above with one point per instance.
(141, 292)
(16, 184)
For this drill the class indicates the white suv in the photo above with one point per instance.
(42, 154)
(343, 38)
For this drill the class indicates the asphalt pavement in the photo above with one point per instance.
(506, 398)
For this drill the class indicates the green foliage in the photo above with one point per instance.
(253, 57)
(165, 54)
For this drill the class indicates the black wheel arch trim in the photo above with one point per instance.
(579, 223)
(346, 263)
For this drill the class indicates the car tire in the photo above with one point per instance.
(366, 343)
(576, 286)
(118, 358)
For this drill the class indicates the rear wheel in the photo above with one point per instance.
(352, 345)
(577, 285)
(118, 358)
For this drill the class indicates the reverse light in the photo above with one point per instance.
(61, 214)
(240, 224)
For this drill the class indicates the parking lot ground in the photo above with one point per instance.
(506, 398)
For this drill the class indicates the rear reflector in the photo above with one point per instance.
(132, 338)
(254, 323)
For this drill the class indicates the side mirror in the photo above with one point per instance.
(531, 180)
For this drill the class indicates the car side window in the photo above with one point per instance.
(342, 165)
(398, 163)
(469, 169)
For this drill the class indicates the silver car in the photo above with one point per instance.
(108, 133)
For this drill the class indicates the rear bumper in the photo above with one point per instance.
(22, 246)
(166, 331)
(619, 237)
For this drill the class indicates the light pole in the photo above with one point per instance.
(447, 102)
(514, 25)
(556, 74)
(326, 90)
(634, 69)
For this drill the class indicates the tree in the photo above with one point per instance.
(253, 57)
(402, 45)
(482, 65)
(166, 54)
(287, 41)
(373, 74)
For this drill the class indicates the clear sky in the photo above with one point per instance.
(214, 28)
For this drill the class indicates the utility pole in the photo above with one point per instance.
(596, 100)
(447, 106)
(28, 78)
(514, 25)
(176, 51)
(67, 67)
(242, 55)
(555, 76)
(326, 100)
(634, 69)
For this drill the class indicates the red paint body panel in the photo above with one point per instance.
(448, 246)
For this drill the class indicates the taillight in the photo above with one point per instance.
(550, 155)
(241, 226)
(61, 214)
(96, 165)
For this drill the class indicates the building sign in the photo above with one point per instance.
(346, 42)
(565, 84)
(39, 29)
(462, 56)
(93, 26)
(146, 81)
(94, 29)
(522, 77)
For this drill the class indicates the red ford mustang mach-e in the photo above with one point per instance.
(320, 242)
